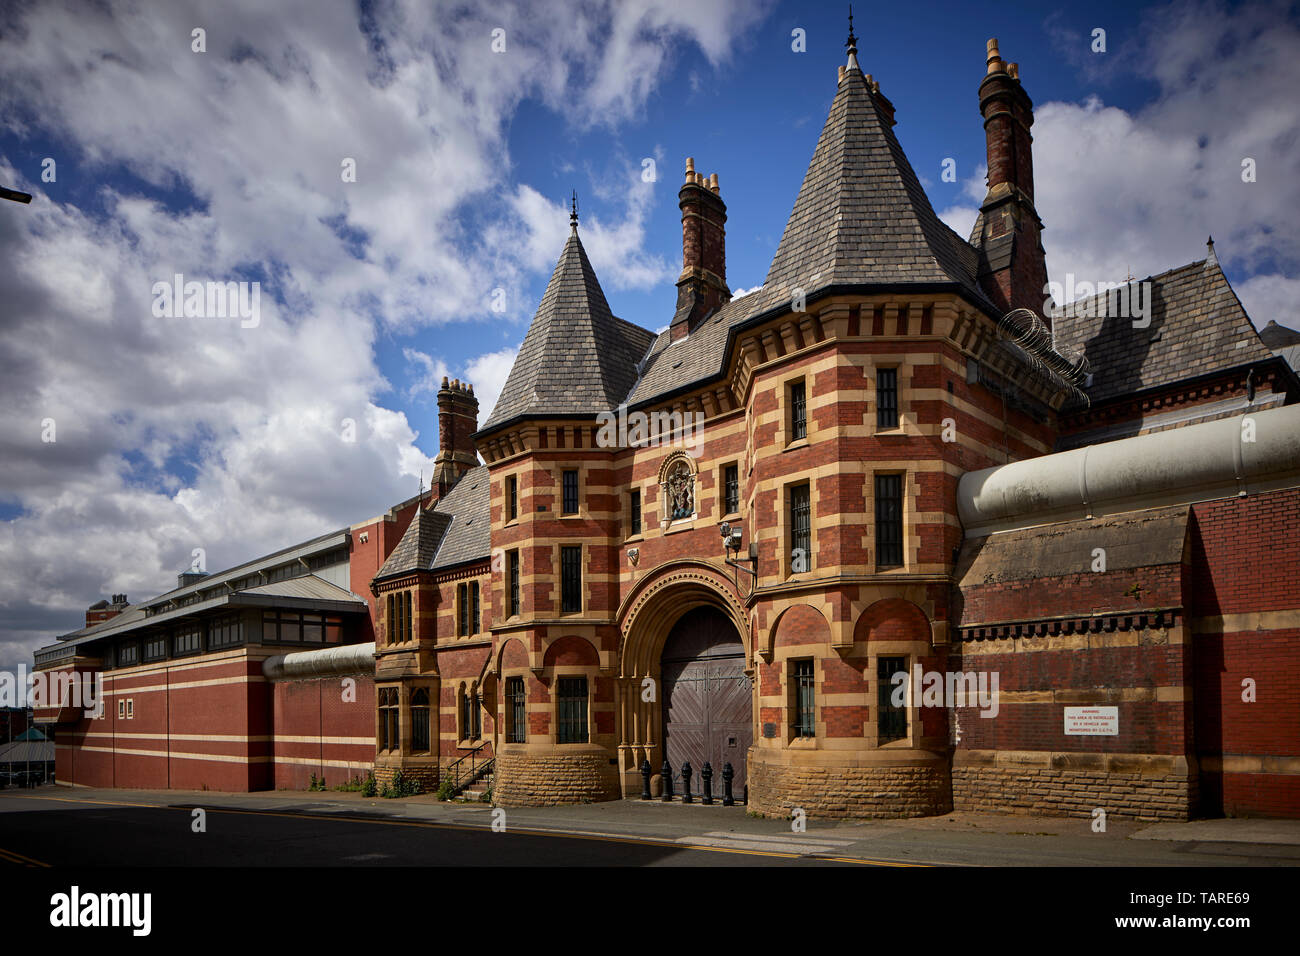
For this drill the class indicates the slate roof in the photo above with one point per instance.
(418, 545)
(1278, 337)
(468, 535)
(861, 216)
(1197, 327)
(454, 531)
(577, 357)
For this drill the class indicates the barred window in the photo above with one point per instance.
(571, 578)
(513, 572)
(474, 620)
(470, 728)
(512, 497)
(636, 512)
(420, 720)
(570, 493)
(388, 719)
(516, 711)
(891, 721)
(798, 411)
(889, 521)
(730, 490)
(462, 610)
(571, 703)
(800, 530)
(887, 398)
(805, 713)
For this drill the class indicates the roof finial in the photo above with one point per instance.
(852, 44)
(573, 214)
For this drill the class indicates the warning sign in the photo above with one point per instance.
(1091, 721)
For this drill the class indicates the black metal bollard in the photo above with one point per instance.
(686, 782)
(707, 776)
(667, 774)
(645, 779)
(727, 773)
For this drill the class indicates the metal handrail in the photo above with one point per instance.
(455, 770)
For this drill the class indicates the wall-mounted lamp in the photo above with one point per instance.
(731, 543)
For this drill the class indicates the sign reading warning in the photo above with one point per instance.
(1091, 721)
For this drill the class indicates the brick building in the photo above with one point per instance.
(1071, 529)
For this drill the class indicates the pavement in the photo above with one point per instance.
(960, 838)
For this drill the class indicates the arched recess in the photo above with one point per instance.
(512, 655)
(798, 624)
(892, 619)
(571, 650)
(646, 618)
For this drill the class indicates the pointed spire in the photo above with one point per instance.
(852, 44)
(573, 214)
(1211, 258)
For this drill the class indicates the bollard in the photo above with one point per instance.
(667, 774)
(645, 779)
(686, 782)
(727, 773)
(707, 776)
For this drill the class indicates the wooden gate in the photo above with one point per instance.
(707, 700)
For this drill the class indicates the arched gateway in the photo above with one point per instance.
(686, 689)
(707, 698)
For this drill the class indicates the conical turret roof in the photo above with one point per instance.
(578, 357)
(861, 216)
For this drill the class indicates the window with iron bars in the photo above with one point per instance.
(800, 530)
(513, 573)
(571, 578)
(805, 710)
(636, 512)
(571, 703)
(887, 398)
(420, 720)
(798, 411)
(388, 719)
(891, 721)
(570, 493)
(517, 711)
(889, 521)
(512, 498)
(730, 490)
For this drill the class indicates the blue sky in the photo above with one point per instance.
(224, 165)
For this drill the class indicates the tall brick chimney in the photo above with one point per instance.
(702, 286)
(1008, 233)
(457, 422)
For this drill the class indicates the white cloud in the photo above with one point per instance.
(173, 433)
(1271, 298)
(488, 373)
(1141, 191)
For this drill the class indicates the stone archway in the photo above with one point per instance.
(708, 700)
(647, 617)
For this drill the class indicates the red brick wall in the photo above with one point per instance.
(1245, 559)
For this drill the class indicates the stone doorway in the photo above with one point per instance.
(707, 700)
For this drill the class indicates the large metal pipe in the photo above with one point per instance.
(1215, 459)
(351, 659)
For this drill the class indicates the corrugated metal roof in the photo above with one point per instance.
(27, 751)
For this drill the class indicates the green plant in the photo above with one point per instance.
(352, 786)
(485, 796)
(446, 788)
(369, 788)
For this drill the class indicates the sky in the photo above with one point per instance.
(132, 435)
